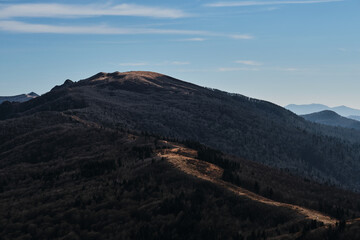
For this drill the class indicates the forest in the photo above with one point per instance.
(81, 162)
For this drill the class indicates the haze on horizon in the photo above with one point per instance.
(285, 52)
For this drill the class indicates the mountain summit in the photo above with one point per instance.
(19, 98)
(117, 155)
(331, 118)
(138, 81)
(249, 128)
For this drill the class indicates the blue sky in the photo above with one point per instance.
(281, 51)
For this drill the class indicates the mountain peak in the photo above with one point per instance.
(138, 81)
(328, 113)
(131, 75)
(97, 76)
(331, 118)
(67, 83)
(19, 98)
(33, 94)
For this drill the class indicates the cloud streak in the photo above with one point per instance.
(227, 69)
(249, 62)
(242, 36)
(9, 13)
(263, 3)
(279, 69)
(133, 64)
(191, 40)
(23, 27)
(166, 63)
(93, 10)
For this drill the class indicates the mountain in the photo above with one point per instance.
(63, 177)
(357, 118)
(306, 108)
(346, 111)
(331, 118)
(127, 156)
(19, 98)
(249, 128)
(312, 108)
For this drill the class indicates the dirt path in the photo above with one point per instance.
(184, 159)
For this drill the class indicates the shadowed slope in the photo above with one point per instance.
(250, 128)
(62, 177)
(333, 119)
(185, 160)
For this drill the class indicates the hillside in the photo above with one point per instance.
(333, 119)
(117, 156)
(357, 118)
(248, 128)
(19, 98)
(63, 177)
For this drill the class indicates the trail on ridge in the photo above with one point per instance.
(185, 160)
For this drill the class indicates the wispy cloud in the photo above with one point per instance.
(286, 69)
(243, 36)
(52, 10)
(23, 27)
(262, 3)
(235, 69)
(278, 69)
(179, 63)
(133, 64)
(347, 50)
(191, 40)
(165, 63)
(249, 62)
(250, 65)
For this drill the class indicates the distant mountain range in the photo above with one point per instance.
(312, 108)
(331, 118)
(19, 98)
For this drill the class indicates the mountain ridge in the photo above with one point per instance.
(303, 109)
(19, 98)
(110, 157)
(331, 118)
(253, 129)
(92, 182)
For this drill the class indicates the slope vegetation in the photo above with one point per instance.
(333, 119)
(252, 129)
(185, 160)
(66, 178)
